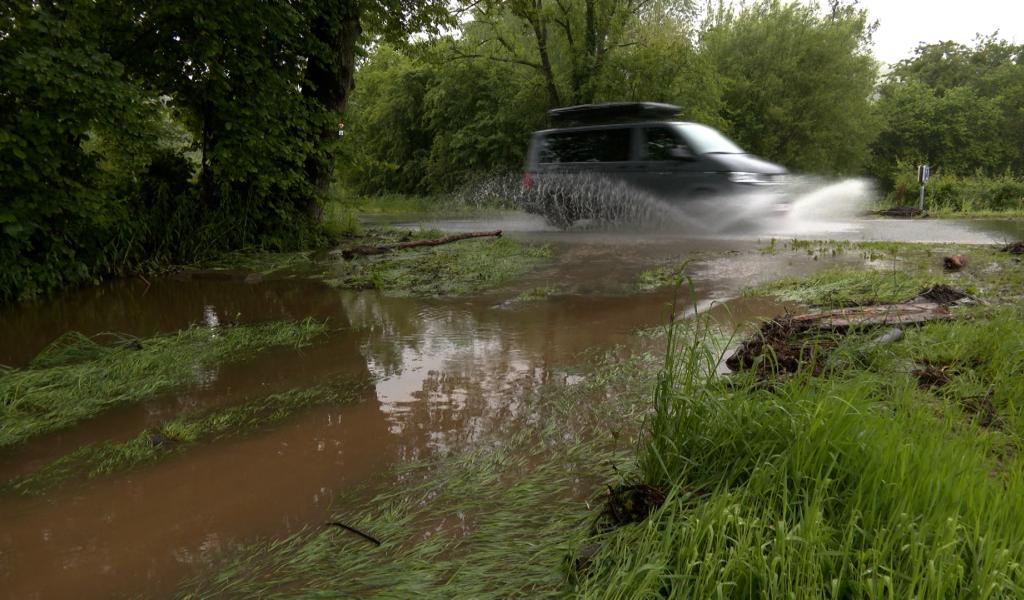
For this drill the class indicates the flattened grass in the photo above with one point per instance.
(897, 272)
(498, 521)
(465, 267)
(96, 460)
(77, 378)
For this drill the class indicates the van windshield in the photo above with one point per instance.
(705, 140)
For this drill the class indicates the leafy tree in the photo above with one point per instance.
(796, 83)
(958, 108)
(100, 98)
(60, 87)
(567, 42)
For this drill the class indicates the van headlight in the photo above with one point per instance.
(750, 178)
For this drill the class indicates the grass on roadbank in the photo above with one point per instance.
(875, 479)
(894, 272)
(76, 377)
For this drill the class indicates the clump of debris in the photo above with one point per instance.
(1014, 248)
(902, 212)
(786, 344)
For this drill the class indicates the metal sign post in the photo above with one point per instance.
(923, 173)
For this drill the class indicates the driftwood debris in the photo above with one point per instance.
(783, 345)
(902, 212)
(350, 253)
(1014, 248)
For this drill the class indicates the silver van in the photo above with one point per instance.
(636, 148)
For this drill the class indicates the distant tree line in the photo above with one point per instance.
(792, 82)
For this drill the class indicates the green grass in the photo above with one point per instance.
(464, 267)
(897, 272)
(972, 196)
(408, 205)
(77, 378)
(95, 460)
(858, 483)
(865, 480)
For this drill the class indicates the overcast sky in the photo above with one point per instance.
(905, 23)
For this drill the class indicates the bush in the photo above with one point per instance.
(959, 194)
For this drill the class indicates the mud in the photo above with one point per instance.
(447, 374)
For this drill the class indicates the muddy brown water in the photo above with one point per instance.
(445, 373)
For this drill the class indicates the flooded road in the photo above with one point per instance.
(443, 374)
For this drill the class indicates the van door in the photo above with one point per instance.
(668, 168)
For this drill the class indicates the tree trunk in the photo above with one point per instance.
(541, 32)
(330, 78)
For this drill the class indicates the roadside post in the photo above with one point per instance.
(923, 172)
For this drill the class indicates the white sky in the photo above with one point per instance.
(905, 23)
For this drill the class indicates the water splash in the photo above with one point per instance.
(589, 201)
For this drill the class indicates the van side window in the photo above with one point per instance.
(599, 145)
(659, 143)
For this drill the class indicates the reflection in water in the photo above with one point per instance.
(448, 373)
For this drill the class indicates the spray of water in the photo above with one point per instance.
(586, 201)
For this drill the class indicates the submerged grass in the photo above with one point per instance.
(77, 378)
(461, 268)
(895, 272)
(868, 477)
(96, 460)
(498, 521)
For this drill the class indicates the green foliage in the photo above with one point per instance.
(421, 123)
(955, 107)
(956, 195)
(858, 483)
(435, 115)
(802, 97)
(77, 378)
(103, 102)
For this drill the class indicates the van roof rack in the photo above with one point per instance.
(612, 111)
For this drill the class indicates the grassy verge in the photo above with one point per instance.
(893, 272)
(461, 268)
(174, 436)
(866, 481)
(970, 196)
(77, 378)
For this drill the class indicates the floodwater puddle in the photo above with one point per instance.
(446, 372)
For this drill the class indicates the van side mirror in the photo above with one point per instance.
(682, 153)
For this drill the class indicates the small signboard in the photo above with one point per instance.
(923, 173)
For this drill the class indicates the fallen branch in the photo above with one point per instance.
(349, 253)
(365, 536)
